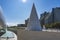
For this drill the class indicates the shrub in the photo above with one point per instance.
(53, 25)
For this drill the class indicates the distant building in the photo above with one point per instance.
(48, 18)
(43, 17)
(56, 13)
(26, 22)
(21, 25)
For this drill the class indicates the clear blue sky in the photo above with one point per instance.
(16, 11)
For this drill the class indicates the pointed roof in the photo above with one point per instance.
(33, 12)
(33, 22)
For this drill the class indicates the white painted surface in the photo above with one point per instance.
(10, 35)
(33, 22)
(51, 30)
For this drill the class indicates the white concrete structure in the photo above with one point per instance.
(8, 36)
(33, 22)
(2, 20)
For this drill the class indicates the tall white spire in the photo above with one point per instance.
(33, 22)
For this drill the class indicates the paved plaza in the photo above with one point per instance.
(37, 35)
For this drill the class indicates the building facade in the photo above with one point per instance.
(52, 17)
(43, 17)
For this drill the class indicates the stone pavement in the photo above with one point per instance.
(38, 35)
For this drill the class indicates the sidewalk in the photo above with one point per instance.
(37, 35)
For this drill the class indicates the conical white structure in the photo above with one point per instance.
(33, 22)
